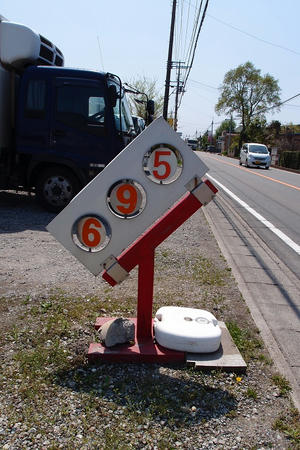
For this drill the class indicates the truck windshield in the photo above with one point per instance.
(125, 122)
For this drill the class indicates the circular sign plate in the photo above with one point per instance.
(163, 164)
(126, 199)
(91, 233)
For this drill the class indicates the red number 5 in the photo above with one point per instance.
(165, 164)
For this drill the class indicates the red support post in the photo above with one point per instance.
(145, 296)
(142, 253)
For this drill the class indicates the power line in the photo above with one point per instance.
(194, 34)
(169, 63)
(190, 63)
(186, 31)
(203, 84)
(253, 36)
(277, 105)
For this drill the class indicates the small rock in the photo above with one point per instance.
(117, 331)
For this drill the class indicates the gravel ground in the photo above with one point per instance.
(51, 398)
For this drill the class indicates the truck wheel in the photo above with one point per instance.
(56, 187)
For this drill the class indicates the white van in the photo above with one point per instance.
(255, 155)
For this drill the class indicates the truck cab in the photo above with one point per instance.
(70, 124)
(59, 126)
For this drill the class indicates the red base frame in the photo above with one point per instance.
(143, 351)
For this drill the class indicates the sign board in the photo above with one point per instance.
(126, 198)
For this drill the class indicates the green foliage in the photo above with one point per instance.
(290, 426)
(256, 131)
(234, 145)
(290, 160)
(282, 383)
(226, 125)
(247, 93)
(204, 141)
(245, 341)
(148, 87)
(206, 273)
(251, 393)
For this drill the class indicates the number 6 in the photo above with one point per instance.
(87, 230)
(86, 233)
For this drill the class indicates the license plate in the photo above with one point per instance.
(257, 162)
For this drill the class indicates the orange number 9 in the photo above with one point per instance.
(127, 195)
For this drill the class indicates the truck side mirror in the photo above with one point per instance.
(113, 94)
(150, 107)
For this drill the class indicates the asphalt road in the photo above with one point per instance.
(273, 194)
(256, 220)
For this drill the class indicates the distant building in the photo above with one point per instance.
(224, 141)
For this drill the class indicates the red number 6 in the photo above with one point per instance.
(90, 227)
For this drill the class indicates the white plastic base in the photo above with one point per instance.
(187, 329)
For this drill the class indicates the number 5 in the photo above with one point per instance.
(162, 163)
(165, 164)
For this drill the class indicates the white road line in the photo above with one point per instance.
(259, 217)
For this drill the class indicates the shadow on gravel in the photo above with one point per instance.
(20, 211)
(182, 399)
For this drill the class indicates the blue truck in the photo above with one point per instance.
(59, 127)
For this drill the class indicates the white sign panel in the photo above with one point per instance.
(125, 199)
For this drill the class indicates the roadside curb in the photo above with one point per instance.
(266, 334)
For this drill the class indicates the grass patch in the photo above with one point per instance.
(205, 272)
(282, 384)
(248, 344)
(265, 359)
(251, 393)
(290, 426)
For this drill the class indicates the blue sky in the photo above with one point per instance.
(131, 39)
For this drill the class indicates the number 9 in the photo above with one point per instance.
(126, 199)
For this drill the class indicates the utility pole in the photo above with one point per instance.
(176, 98)
(169, 63)
(179, 87)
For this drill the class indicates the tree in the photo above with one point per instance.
(256, 131)
(272, 133)
(249, 94)
(227, 125)
(204, 140)
(138, 102)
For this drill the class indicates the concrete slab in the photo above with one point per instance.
(268, 276)
(290, 344)
(227, 358)
(276, 295)
(257, 275)
(296, 372)
(249, 260)
(241, 250)
(281, 316)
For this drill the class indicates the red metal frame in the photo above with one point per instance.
(142, 253)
